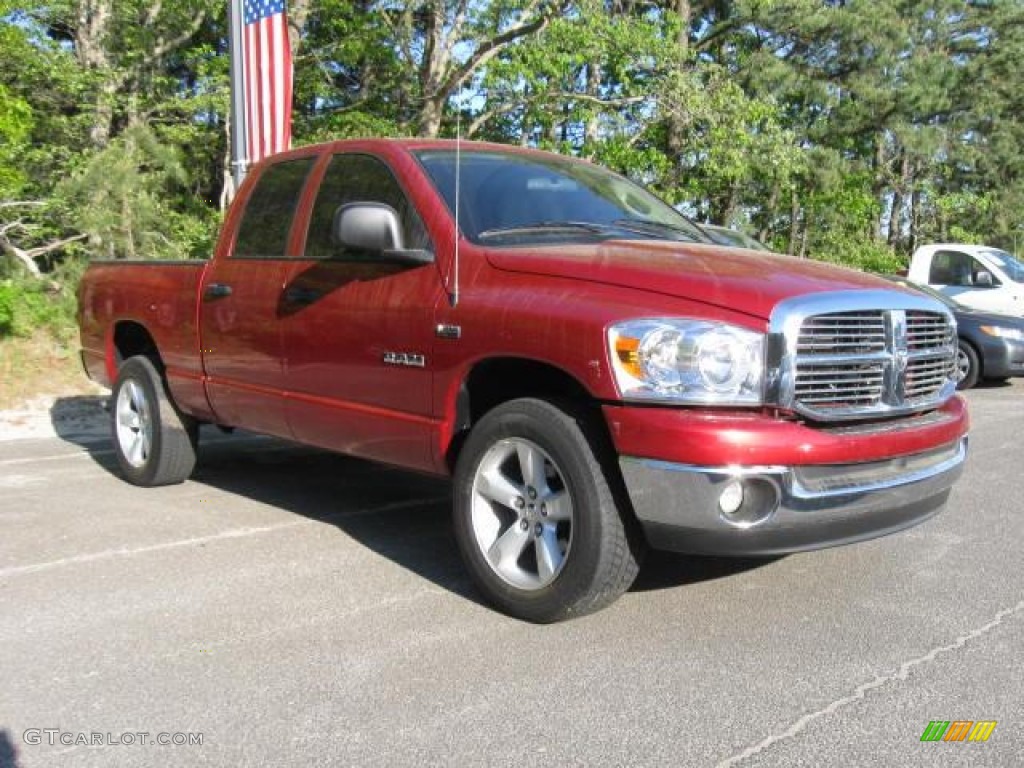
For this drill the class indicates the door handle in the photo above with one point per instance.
(216, 291)
(299, 295)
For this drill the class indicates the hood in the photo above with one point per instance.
(752, 282)
(984, 317)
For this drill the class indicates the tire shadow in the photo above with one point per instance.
(81, 420)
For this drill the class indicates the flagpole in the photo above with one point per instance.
(238, 153)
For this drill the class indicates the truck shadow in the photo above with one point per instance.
(400, 515)
(667, 570)
(994, 384)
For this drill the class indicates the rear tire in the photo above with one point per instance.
(539, 527)
(155, 443)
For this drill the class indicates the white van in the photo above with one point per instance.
(975, 275)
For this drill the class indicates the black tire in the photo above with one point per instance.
(967, 365)
(604, 547)
(155, 444)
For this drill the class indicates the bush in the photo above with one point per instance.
(7, 311)
(864, 254)
(28, 307)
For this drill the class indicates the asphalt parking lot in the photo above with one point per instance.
(298, 608)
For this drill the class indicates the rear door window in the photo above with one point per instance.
(267, 221)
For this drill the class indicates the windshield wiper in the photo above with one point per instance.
(650, 227)
(546, 227)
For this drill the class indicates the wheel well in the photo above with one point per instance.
(131, 339)
(493, 382)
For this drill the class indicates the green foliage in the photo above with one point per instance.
(120, 199)
(8, 311)
(29, 307)
(15, 128)
(862, 253)
(352, 124)
(844, 131)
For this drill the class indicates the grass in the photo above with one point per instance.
(39, 365)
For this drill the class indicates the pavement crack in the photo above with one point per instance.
(861, 690)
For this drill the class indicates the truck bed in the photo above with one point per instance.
(161, 296)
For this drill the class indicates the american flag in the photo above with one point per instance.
(268, 78)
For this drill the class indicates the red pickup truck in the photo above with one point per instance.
(596, 375)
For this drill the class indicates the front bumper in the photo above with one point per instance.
(805, 506)
(1001, 358)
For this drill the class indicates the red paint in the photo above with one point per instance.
(719, 439)
(315, 373)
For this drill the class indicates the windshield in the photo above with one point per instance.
(508, 198)
(1011, 265)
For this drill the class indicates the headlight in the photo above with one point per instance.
(691, 361)
(1015, 334)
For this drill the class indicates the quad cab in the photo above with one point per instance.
(594, 374)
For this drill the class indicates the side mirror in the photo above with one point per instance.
(367, 227)
(375, 227)
(983, 279)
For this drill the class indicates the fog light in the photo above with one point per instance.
(748, 502)
(732, 498)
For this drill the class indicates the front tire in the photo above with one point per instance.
(967, 366)
(539, 527)
(154, 443)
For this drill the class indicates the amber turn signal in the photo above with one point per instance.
(628, 352)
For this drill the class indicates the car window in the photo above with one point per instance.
(267, 220)
(952, 268)
(359, 179)
(977, 268)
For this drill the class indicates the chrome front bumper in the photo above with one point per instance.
(798, 508)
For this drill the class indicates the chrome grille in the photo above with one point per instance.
(851, 333)
(927, 330)
(861, 354)
(839, 360)
(829, 386)
(929, 365)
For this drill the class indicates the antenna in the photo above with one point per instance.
(453, 297)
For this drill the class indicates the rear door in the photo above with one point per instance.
(358, 333)
(240, 305)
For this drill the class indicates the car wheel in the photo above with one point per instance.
(542, 531)
(155, 443)
(966, 372)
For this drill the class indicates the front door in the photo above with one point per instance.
(954, 273)
(357, 332)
